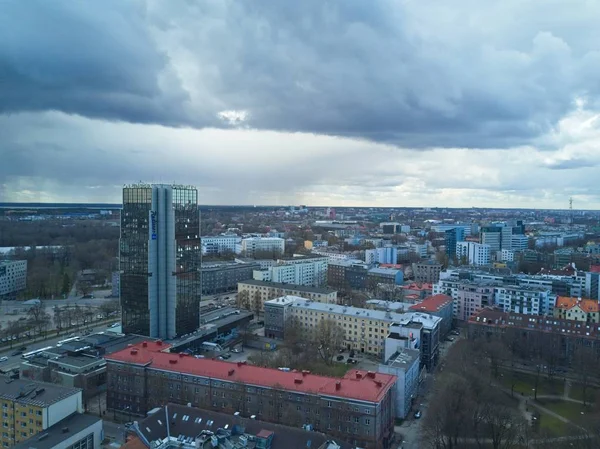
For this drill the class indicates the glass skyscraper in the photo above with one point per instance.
(159, 258)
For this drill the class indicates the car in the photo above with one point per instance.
(236, 350)
(199, 356)
(351, 361)
(17, 352)
(3, 359)
(418, 414)
(450, 339)
(226, 356)
(340, 358)
(23, 348)
(114, 325)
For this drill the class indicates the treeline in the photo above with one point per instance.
(55, 232)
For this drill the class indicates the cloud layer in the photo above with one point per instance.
(385, 102)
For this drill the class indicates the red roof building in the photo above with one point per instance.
(438, 305)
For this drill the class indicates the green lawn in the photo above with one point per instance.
(551, 426)
(570, 410)
(524, 384)
(590, 392)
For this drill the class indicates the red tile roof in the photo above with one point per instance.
(356, 384)
(432, 304)
(587, 305)
(594, 268)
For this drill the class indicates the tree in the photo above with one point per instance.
(257, 303)
(66, 284)
(84, 287)
(39, 317)
(243, 300)
(109, 308)
(328, 339)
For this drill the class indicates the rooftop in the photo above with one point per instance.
(284, 300)
(29, 392)
(384, 271)
(433, 304)
(191, 425)
(365, 387)
(300, 288)
(404, 358)
(587, 305)
(54, 436)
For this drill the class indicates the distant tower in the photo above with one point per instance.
(571, 210)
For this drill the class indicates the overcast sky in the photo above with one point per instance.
(350, 102)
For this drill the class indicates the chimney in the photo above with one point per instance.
(305, 372)
(230, 372)
(173, 361)
(338, 385)
(378, 383)
(358, 375)
(134, 351)
(371, 374)
(158, 342)
(145, 344)
(298, 381)
(181, 355)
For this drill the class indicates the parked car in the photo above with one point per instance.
(352, 361)
(340, 358)
(3, 359)
(17, 352)
(451, 339)
(226, 356)
(417, 414)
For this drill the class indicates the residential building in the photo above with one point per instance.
(270, 290)
(29, 408)
(220, 278)
(392, 228)
(116, 284)
(536, 335)
(491, 236)
(358, 407)
(347, 274)
(221, 244)
(405, 365)
(13, 277)
(376, 276)
(439, 305)
(473, 253)
(471, 298)
(195, 428)
(453, 236)
(507, 255)
(577, 309)
(299, 270)
(159, 260)
(277, 312)
(333, 256)
(528, 300)
(428, 271)
(254, 246)
(519, 242)
(467, 228)
(592, 283)
(386, 254)
(416, 330)
(77, 431)
(315, 244)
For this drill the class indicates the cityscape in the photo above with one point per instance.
(229, 224)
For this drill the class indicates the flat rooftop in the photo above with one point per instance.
(299, 288)
(55, 435)
(41, 394)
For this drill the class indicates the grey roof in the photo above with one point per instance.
(174, 420)
(405, 358)
(357, 312)
(299, 288)
(384, 271)
(55, 436)
(41, 394)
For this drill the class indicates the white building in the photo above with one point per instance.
(519, 242)
(13, 277)
(474, 253)
(507, 255)
(221, 244)
(254, 245)
(526, 300)
(333, 256)
(388, 255)
(405, 365)
(310, 271)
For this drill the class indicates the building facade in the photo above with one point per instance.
(428, 272)
(577, 309)
(221, 244)
(452, 237)
(386, 254)
(29, 408)
(270, 290)
(302, 270)
(441, 306)
(254, 246)
(473, 253)
(13, 277)
(277, 312)
(159, 258)
(220, 278)
(405, 365)
(359, 406)
(524, 299)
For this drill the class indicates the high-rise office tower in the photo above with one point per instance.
(159, 259)
(453, 236)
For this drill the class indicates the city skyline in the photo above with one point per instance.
(393, 105)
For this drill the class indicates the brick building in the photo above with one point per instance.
(358, 407)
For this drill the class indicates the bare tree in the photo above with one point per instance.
(328, 339)
(243, 299)
(39, 317)
(257, 303)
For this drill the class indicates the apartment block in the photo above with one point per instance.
(13, 277)
(405, 365)
(253, 246)
(277, 312)
(428, 271)
(386, 254)
(270, 290)
(221, 244)
(525, 299)
(441, 306)
(220, 278)
(472, 253)
(577, 309)
(300, 270)
(29, 408)
(358, 407)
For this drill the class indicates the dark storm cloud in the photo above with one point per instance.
(571, 164)
(96, 59)
(410, 73)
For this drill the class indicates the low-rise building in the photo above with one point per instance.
(220, 278)
(405, 365)
(358, 407)
(299, 270)
(428, 271)
(254, 246)
(77, 431)
(391, 276)
(577, 309)
(439, 305)
(277, 312)
(195, 428)
(13, 277)
(270, 290)
(29, 408)
(221, 244)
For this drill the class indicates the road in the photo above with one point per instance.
(15, 361)
(114, 432)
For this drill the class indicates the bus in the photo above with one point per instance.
(35, 352)
(67, 340)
